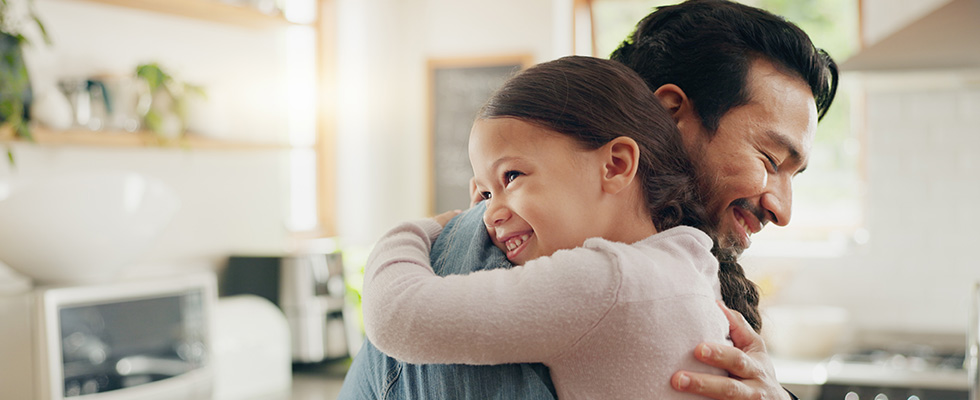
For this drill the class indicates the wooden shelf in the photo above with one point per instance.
(83, 137)
(207, 10)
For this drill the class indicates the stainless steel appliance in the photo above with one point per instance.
(145, 339)
(912, 373)
(309, 288)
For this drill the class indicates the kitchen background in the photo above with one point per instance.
(905, 264)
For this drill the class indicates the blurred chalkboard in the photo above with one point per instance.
(458, 88)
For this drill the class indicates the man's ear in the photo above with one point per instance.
(622, 158)
(681, 109)
(673, 98)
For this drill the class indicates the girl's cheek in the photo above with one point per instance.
(493, 238)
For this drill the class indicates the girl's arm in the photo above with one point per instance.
(524, 314)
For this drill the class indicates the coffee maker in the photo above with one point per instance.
(309, 288)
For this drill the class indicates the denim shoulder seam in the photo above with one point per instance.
(390, 379)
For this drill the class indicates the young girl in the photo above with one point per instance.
(587, 188)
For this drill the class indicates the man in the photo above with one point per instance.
(746, 89)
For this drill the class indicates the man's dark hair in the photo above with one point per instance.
(706, 47)
(594, 101)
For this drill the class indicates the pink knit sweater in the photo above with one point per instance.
(611, 320)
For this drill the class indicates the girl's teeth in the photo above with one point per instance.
(516, 242)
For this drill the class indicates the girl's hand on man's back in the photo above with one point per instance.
(444, 218)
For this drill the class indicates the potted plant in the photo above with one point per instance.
(166, 116)
(15, 83)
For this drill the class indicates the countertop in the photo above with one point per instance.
(321, 381)
(802, 377)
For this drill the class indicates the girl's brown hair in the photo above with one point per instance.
(595, 101)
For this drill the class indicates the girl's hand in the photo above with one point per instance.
(444, 218)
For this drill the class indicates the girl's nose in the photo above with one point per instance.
(496, 213)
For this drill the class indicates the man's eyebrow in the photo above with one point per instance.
(794, 150)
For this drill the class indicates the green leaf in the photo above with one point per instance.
(153, 75)
(153, 121)
(44, 32)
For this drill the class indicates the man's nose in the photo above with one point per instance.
(778, 199)
(496, 213)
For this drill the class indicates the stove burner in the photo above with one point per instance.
(912, 361)
(882, 374)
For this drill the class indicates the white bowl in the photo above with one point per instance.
(805, 332)
(81, 227)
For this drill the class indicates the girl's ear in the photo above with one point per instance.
(622, 158)
(475, 196)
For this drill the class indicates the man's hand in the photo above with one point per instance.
(751, 374)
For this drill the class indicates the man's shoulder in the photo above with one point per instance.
(464, 246)
(375, 375)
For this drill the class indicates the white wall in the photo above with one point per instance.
(917, 270)
(882, 17)
(384, 44)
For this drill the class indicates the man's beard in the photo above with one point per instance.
(730, 241)
(727, 241)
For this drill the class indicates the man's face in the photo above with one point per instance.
(749, 163)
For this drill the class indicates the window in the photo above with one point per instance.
(827, 202)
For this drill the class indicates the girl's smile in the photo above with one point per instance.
(544, 190)
(532, 179)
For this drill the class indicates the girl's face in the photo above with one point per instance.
(541, 187)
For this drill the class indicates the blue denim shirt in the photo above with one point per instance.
(463, 247)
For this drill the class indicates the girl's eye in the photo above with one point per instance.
(485, 195)
(509, 176)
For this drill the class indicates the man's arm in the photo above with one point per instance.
(751, 374)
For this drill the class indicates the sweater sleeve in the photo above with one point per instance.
(529, 313)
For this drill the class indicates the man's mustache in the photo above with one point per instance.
(752, 208)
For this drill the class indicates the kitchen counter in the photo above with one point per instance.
(805, 377)
(802, 377)
(321, 381)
